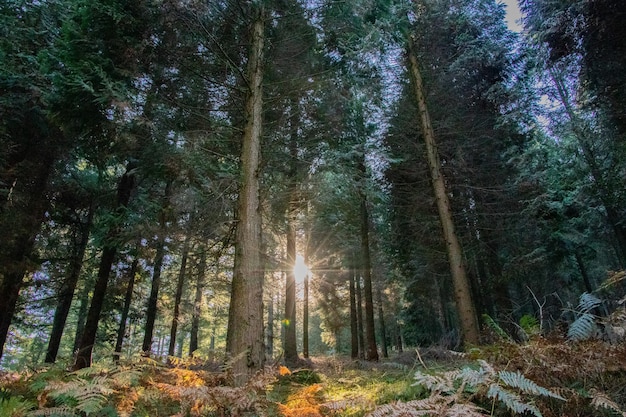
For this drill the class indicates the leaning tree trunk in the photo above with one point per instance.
(244, 341)
(602, 189)
(88, 338)
(68, 287)
(462, 289)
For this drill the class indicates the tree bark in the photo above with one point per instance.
(88, 338)
(178, 297)
(305, 315)
(82, 314)
(381, 321)
(20, 224)
(359, 316)
(462, 289)
(68, 287)
(197, 303)
(244, 341)
(354, 336)
(371, 353)
(121, 330)
(152, 306)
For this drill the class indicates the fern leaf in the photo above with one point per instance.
(517, 380)
(53, 412)
(583, 328)
(474, 378)
(491, 323)
(415, 408)
(511, 400)
(588, 302)
(600, 400)
(437, 383)
(465, 410)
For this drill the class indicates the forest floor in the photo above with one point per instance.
(541, 377)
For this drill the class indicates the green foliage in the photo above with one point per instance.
(529, 324)
(491, 323)
(13, 406)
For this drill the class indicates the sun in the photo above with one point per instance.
(300, 270)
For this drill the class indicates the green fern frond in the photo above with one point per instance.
(529, 324)
(519, 381)
(14, 406)
(491, 323)
(511, 400)
(583, 328)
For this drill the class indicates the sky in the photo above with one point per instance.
(512, 15)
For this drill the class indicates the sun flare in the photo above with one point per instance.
(300, 270)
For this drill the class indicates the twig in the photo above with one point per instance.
(420, 358)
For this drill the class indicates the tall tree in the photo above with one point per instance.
(462, 289)
(109, 250)
(244, 343)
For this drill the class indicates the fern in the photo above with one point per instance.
(437, 383)
(600, 400)
(53, 412)
(530, 325)
(14, 406)
(511, 400)
(588, 302)
(519, 381)
(460, 387)
(491, 323)
(583, 328)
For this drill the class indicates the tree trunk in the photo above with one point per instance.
(359, 316)
(121, 330)
(269, 347)
(290, 347)
(354, 337)
(82, 314)
(88, 338)
(603, 190)
(178, 297)
(371, 353)
(462, 289)
(68, 287)
(244, 341)
(151, 310)
(305, 315)
(197, 303)
(381, 321)
(20, 223)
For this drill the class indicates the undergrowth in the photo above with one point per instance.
(544, 377)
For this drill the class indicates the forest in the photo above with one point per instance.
(312, 208)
